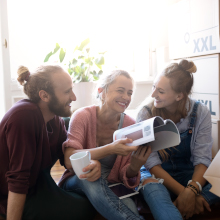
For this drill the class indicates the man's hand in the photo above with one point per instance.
(95, 171)
(185, 203)
(201, 204)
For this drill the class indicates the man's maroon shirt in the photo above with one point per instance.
(27, 145)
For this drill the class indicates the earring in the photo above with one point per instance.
(102, 100)
(103, 103)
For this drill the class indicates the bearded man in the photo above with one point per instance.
(31, 137)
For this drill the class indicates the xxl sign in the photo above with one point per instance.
(211, 101)
(194, 28)
(206, 44)
(208, 103)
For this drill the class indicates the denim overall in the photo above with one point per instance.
(179, 165)
(179, 156)
(181, 169)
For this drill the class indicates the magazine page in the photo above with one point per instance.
(166, 136)
(140, 133)
(212, 175)
(158, 133)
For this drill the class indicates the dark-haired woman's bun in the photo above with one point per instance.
(188, 66)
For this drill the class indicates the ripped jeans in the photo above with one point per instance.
(158, 199)
(102, 197)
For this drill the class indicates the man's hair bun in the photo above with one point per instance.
(23, 74)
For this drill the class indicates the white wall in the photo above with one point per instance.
(10, 91)
(5, 77)
(142, 91)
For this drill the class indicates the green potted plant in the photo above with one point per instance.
(84, 66)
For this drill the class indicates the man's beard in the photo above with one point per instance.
(57, 108)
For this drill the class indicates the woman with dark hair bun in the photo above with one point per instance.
(181, 167)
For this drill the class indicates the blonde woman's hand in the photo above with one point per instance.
(95, 171)
(139, 157)
(118, 147)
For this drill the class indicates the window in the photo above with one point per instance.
(118, 27)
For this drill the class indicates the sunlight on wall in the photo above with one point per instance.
(119, 27)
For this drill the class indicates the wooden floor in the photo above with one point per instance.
(57, 171)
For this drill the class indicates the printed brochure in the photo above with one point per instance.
(156, 132)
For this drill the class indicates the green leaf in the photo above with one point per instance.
(83, 44)
(76, 48)
(83, 66)
(95, 78)
(74, 61)
(100, 61)
(62, 54)
(99, 66)
(102, 52)
(56, 48)
(70, 71)
(78, 69)
(89, 60)
(100, 72)
(51, 53)
(75, 76)
(85, 79)
(47, 57)
(78, 79)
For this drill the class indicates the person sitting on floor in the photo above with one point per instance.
(91, 129)
(31, 137)
(181, 167)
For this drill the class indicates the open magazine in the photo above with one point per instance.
(158, 133)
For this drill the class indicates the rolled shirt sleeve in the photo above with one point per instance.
(202, 139)
(21, 142)
(152, 160)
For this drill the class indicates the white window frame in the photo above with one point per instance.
(5, 76)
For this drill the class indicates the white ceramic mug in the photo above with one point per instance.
(79, 161)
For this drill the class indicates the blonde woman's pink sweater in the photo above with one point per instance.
(82, 135)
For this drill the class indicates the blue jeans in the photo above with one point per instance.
(158, 199)
(102, 197)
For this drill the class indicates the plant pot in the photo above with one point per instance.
(85, 95)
